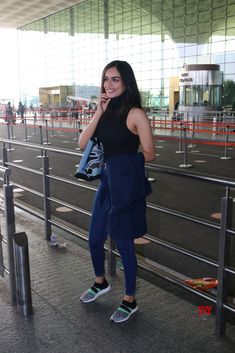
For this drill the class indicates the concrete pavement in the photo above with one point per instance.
(165, 322)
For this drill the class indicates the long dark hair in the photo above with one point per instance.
(131, 95)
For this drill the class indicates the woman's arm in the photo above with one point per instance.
(138, 123)
(90, 129)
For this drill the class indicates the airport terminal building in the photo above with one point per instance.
(183, 54)
(64, 53)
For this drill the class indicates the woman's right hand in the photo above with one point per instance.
(103, 103)
(90, 129)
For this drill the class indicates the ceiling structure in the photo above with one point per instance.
(17, 13)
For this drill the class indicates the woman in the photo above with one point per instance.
(119, 209)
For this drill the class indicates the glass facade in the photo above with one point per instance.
(157, 37)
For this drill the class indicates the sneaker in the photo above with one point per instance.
(124, 311)
(94, 292)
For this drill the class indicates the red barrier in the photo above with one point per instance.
(195, 141)
(162, 137)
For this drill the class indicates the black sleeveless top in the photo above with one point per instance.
(114, 133)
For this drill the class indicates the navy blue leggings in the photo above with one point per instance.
(126, 249)
(99, 229)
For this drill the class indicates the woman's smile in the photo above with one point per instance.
(113, 84)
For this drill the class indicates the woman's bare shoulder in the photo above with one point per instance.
(137, 114)
(135, 110)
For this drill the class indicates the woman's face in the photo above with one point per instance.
(113, 84)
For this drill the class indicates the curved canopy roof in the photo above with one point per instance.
(17, 13)
(173, 18)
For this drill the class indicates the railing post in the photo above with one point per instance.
(34, 125)
(46, 193)
(52, 127)
(4, 155)
(10, 230)
(8, 131)
(111, 257)
(192, 120)
(22, 271)
(180, 139)
(215, 124)
(26, 131)
(47, 136)
(76, 128)
(226, 146)
(41, 140)
(223, 259)
(1, 256)
(9, 137)
(185, 164)
(12, 131)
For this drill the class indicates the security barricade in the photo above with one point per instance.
(17, 248)
(224, 229)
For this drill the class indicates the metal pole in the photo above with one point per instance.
(52, 126)
(1, 256)
(10, 230)
(8, 131)
(41, 140)
(12, 132)
(226, 147)
(192, 136)
(76, 128)
(80, 120)
(6, 174)
(46, 193)
(185, 164)
(181, 138)
(150, 179)
(34, 124)
(47, 137)
(23, 285)
(9, 137)
(223, 258)
(4, 155)
(185, 148)
(26, 132)
(215, 125)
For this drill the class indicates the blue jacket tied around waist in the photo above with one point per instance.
(120, 204)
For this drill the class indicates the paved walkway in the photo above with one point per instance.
(165, 323)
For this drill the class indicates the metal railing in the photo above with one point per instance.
(213, 128)
(224, 228)
(9, 231)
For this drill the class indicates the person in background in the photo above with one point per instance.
(75, 106)
(21, 111)
(9, 113)
(176, 115)
(119, 209)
